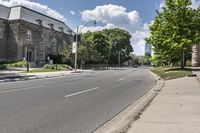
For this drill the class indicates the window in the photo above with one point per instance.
(51, 25)
(39, 21)
(43, 38)
(29, 35)
(1, 32)
(64, 42)
(54, 41)
(61, 29)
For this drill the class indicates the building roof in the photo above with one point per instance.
(4, 12)
(31, 16)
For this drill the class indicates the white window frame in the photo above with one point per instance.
(1, 32)
(43, 39)
(64, 42)
(54, 41)
(29, 35)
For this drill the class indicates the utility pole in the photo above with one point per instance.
(75, 62)
(76, 45)
(119, 58)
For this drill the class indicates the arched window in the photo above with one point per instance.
(43, 39)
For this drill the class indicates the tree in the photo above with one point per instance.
(102, 45)
(66, 51)
(145, 60)
(120, 44)
(86, 50)
(175, 30)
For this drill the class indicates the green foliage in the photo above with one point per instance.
(168, 73)
(94, 47)
(57, 67)
(120, 42)
(41, 70)
(175, 30)
(4, 65)
(145, 60)
(57, 59)
(67, 52)
(188, 63)
(102, 47)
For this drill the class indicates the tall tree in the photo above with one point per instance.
(175, 30)
(120, 41)
(102, 45)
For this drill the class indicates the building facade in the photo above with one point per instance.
(29, 35)
(148, 49)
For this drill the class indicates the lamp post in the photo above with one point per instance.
(119, 58)
(76, 45)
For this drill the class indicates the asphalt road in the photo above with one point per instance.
(77, 103)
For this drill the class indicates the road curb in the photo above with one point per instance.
(24, 78)
(29, 78)
(197, 75)
(123, 120)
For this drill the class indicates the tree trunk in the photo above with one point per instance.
(183, 60)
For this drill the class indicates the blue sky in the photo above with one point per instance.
(146, 8)
(131, 15)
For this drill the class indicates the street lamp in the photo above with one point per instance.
(119, 58)
(76, 44)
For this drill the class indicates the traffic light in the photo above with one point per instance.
(79, 38)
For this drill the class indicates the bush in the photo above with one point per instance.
(2, 67)
(58, 67)
(188, 63)
(5, 64)
(17, 64)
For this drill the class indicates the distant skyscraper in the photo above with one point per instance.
(148, 49)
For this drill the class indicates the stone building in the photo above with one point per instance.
(30, 35)
(196, 56)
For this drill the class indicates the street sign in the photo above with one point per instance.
(74, 47)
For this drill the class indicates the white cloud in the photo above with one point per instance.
(138, 39)
(97, 28)
(112, 16)
(195, 4)
(72, 13)
(34, 6)
(162, 4)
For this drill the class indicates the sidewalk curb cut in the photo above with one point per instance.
(198, 77)
(30, 78)
(121, 122)
(38, 77)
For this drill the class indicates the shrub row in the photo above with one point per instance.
(4, 65)
(57, 67)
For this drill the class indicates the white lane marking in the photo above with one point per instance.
(81, 92)
(13, 90)
(121, 79)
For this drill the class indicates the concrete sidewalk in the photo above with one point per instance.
(196, 70)
(175, 110)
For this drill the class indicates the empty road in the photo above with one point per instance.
(77, 103)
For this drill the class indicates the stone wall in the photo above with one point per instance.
(36, 49)
(3, 40)
(12, 42)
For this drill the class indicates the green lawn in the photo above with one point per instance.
(171, 73)
(41, 70)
